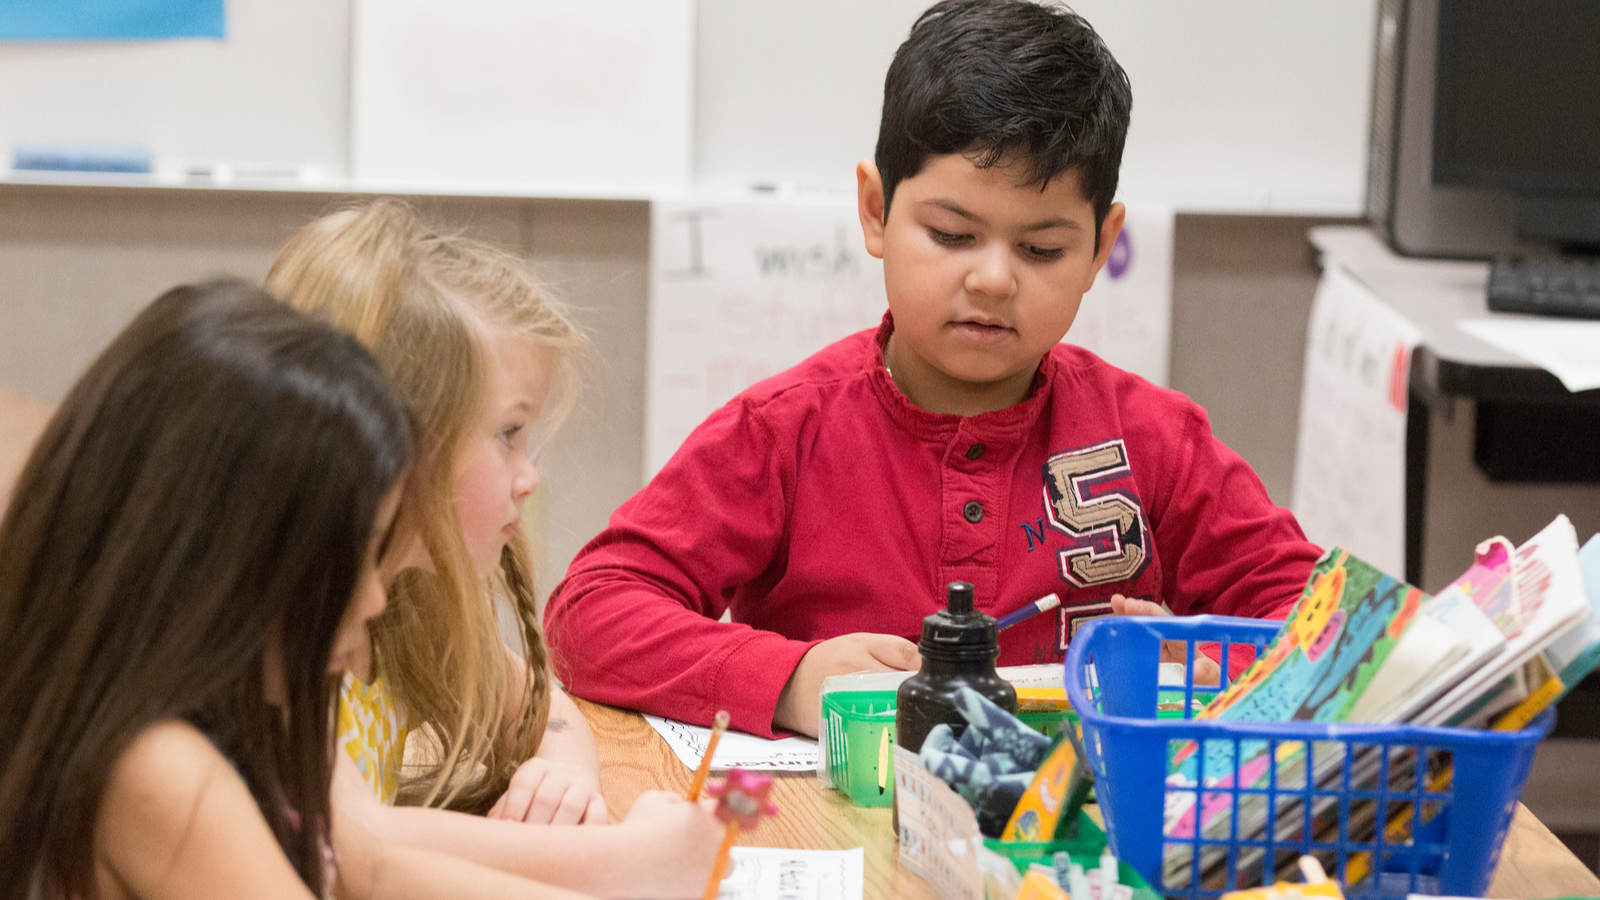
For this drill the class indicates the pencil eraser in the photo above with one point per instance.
(80, 158)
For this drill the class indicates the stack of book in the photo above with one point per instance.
(1492, 650)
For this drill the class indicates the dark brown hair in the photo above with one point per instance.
(1006, 81)
(212, 478)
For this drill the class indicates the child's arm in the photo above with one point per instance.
(635, 623)
(560, 785)
(371, 870)
(176, 821)
(663, 849)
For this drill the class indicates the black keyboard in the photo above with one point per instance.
(1546, 286)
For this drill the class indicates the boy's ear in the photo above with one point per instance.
(869, 205)
(1110, 229)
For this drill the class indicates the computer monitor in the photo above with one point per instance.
(1486, 127)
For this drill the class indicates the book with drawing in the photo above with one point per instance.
(1346, 624)
(1534, 593)
(1546, 599)
(1451, 638)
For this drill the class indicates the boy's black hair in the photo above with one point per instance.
(1003, 80)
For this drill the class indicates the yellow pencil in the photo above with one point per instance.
(718, 726)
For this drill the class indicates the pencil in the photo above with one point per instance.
(1043, 604)
(718, 726)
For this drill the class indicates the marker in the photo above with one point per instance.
(1043, 604)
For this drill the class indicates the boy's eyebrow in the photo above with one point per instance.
(963, 212)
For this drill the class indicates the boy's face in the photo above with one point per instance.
(984, 275)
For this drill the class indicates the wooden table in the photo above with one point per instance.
(634, 759)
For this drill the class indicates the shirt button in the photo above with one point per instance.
(973, 511)
(975, 451)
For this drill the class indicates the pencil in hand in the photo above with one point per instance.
(718, 726)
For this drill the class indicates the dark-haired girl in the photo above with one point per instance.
(190, 554)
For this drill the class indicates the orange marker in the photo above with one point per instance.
(718, 726)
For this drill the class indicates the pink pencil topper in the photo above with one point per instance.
(742, 797)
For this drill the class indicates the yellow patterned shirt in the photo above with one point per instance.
(370, 731)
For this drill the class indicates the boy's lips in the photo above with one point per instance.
(979, 330)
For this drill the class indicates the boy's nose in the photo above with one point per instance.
(991, 273)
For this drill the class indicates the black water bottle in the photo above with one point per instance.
(959, 646)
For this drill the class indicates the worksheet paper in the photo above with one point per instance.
(736, 748)
(768, 873)
(1350, 462)
(1567, 349)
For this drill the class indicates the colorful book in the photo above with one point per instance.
(1576, 653)
(1336, 639)
(1450, 639)
(1547, 598)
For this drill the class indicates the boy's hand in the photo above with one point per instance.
(546, 792)
(1206, 670)
(843, 655)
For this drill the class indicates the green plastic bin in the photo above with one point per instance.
(861, 744)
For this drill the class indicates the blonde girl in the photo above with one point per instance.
(488, 361)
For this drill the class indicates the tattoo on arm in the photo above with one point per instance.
(557, 725)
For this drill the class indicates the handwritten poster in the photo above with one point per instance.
(593, 96)
(1126, 318)
(1350, 462)
(741, 289)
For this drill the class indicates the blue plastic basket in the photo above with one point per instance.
(1329, 795)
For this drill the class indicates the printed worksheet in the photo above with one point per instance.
(746, 751)
(768, 873)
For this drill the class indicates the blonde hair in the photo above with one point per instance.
(426, 305)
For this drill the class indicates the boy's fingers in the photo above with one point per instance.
(596, 813)
(896, 652)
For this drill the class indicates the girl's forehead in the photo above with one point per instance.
(520, 368)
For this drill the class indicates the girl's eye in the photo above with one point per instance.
(1044, 254)
(509, 434)
(948, 239)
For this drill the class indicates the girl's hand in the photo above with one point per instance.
(1206, 670)
(677, 840)
(544, 792)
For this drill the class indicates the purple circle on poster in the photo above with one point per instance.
(1121, 255)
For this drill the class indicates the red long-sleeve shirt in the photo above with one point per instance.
(820, 502)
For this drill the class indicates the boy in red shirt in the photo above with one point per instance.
(827, 507)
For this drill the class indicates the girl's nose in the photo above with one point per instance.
(526, 479)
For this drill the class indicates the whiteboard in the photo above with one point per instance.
(742, 288)
(276, 91)
(509, 92)
(1238, 105)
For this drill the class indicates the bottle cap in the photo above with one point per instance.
(959, 632)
